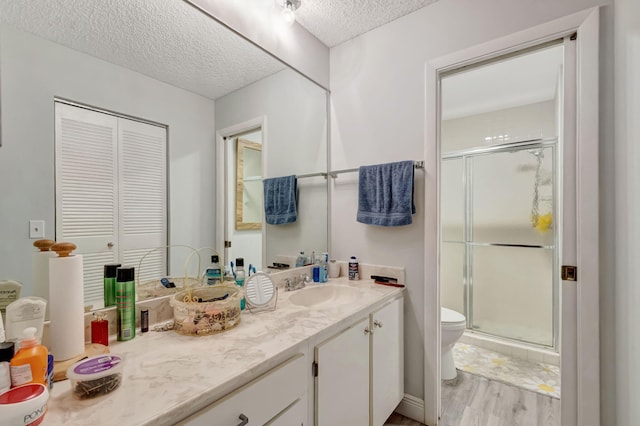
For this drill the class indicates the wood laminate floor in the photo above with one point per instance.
(476, 401)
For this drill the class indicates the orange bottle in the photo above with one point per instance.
(29, 365)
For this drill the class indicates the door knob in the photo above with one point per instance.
(110, 244)
(377, 323)
(367, 331)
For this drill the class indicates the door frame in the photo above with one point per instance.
(580, 403)
(221, 192)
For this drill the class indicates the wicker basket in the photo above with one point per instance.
(154, 288)
(197, 313)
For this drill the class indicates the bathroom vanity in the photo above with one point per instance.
(325, 356)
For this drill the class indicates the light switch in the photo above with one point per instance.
(36, 229)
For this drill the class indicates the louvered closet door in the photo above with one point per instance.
(143, 197)
(86, 190)
(110, 193)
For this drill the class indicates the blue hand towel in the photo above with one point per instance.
(280, 200)
(385, 194)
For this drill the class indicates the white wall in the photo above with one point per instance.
(294, 143)
(521, 123)
(33, 71)
(378, 115)
(627, 212)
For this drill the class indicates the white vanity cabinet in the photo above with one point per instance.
(360, 373)
(278, 397)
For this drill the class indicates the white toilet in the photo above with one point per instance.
(453, 324)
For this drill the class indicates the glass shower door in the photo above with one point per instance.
(511, 243)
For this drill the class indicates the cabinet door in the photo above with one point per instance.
(387, 361)
(342, 385)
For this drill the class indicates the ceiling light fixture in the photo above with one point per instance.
(288, 10)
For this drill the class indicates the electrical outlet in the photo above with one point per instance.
(36, 229)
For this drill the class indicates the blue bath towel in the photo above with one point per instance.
(280, 200)
(385, 194)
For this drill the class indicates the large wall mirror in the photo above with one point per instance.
(164, 63)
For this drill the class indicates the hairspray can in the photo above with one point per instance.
(110, 284)
(126, 303)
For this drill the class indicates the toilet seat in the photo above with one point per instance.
(450, 317)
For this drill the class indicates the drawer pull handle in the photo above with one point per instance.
(377, 323)
(243, 420)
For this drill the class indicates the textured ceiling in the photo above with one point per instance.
(171, 41)
(168, 40)
(336, 21)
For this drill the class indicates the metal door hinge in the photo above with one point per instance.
(227, 244)
(314, 369)
(569, 273)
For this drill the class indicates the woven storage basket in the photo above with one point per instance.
(149, 289)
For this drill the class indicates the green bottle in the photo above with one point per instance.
(126, 303)
(110, 284)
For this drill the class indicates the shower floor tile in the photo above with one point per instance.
(534, 376)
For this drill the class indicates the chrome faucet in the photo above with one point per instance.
(296, 283)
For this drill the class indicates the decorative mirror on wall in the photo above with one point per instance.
(248, 185)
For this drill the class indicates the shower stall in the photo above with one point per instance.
(499, 250)
(500, 198)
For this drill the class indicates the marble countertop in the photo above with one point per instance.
(168, 376)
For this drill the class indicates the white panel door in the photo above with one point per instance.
(142, 203)
(342, 385)
(86, 189)
(387, 364)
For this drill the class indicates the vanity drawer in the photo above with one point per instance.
(259, 400)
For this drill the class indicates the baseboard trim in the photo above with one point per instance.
(411, 407)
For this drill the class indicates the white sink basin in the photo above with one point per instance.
(324, 294)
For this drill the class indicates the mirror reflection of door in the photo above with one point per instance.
(244, 197)
(248, 185)
(111, 193)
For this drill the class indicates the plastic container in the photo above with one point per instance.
(9, 292)
(95, 376)
(324, 267)
(100, 329)
(29, 365)
(301, 260)
(208, 310)
(334, 269)
(240, 277)
(24, 406)
(6, 353)
(213, 273)
(2, 333)
(24, 313)
(354, 274)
